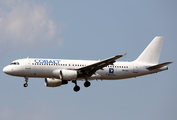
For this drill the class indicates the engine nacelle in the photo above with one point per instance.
(51, 82)
(68, 74)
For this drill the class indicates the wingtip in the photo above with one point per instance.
(125, 54)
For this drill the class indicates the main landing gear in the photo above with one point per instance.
(77, 88)
(26, 80)
(87, 84)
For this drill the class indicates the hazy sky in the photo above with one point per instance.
(94, 29)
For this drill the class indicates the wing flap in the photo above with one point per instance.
(159, 66)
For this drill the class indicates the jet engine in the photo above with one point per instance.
(68, 74)
(52, 82)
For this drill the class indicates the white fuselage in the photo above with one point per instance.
(49, 68)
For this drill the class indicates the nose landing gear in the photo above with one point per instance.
(26, 80)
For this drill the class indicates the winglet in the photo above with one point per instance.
(125, 54)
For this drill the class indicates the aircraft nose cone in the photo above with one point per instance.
(10, 70)
(5, 70)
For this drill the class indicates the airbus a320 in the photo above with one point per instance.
(57, 72)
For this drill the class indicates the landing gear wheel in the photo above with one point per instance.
(76, 88)
(25, 85)
(87, 84)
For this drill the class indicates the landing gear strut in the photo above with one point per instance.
(76, 88)
(87, 83)
(26, 80)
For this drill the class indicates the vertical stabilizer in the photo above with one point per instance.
(152, 52)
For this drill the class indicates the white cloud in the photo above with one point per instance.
(26, 25)
(5, 113)
(32, 110)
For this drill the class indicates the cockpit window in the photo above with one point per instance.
(15, 63)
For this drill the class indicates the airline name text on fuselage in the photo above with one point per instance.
(46, 61)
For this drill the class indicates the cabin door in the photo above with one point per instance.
(27, 64)
(135, 68)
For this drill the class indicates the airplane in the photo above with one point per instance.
(57, 72)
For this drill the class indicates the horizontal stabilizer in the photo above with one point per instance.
(159, 66)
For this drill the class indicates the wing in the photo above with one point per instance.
(91, 69)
